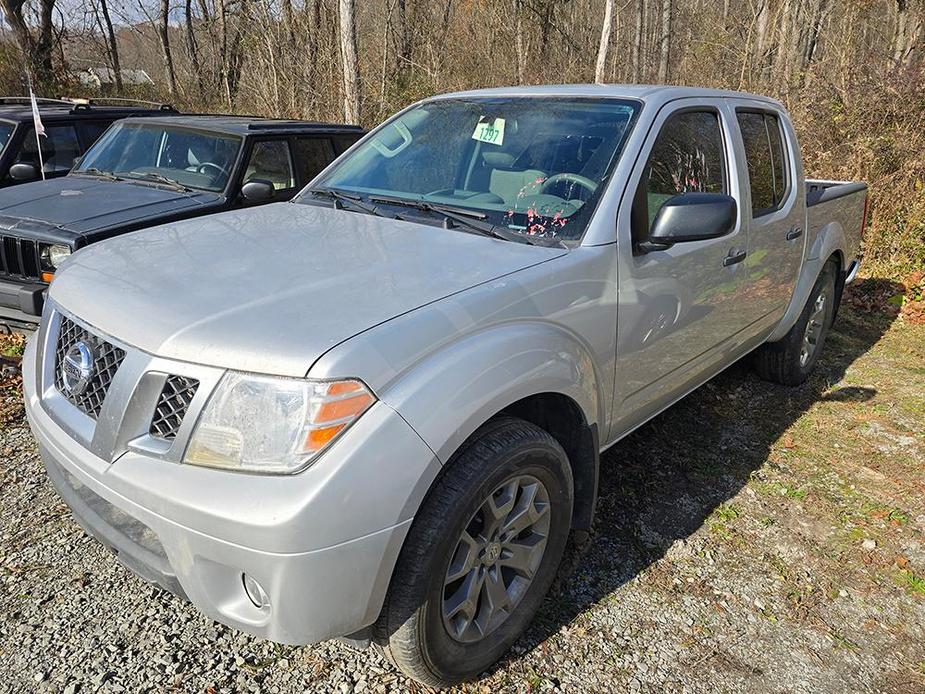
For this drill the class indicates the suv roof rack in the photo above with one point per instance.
(104, 100)
(39, 99)
(85, 104)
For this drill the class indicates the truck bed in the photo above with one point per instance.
(838, 202)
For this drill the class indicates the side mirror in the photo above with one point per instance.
(691, 217)
(257, 190)
(24, 172)
(77, 161)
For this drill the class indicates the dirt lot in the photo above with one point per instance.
(752, 538)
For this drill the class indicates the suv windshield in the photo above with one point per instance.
(536, 166)
(6, 129)
(163, 153)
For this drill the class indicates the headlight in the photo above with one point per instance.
(269, 424)
(54, 255)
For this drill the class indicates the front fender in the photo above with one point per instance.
(830, 239)
(457, 388)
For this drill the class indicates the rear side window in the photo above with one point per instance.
(687, 157)
(90, 132)
(59, 148)
(312, 155)
(344, 142)
(766, 160)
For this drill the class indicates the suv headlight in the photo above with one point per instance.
(275, 425)
(53, 255)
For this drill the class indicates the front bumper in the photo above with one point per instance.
(318, 543)
(21, 303)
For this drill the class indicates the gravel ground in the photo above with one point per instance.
(752, 538)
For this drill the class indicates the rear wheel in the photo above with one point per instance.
(480, 555)
(791, 359)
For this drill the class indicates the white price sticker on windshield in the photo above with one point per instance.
(490, 131)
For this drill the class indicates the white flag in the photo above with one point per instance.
(39, 128)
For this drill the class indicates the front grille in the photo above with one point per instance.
(19, 258)
(171, 407)
(106, 361)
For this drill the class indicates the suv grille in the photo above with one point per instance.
(19, 257)
(171, 407)
(106, 361)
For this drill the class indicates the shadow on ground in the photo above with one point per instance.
(661, 483)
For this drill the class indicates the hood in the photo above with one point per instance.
(270, 289)
(82, 204)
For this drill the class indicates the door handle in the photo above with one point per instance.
(794, 233)
(734, 257)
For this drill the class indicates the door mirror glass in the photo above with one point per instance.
(692, 217)
(257, 190)
(24, 172)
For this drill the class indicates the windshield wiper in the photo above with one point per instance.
(93, 171)
(339, 198)
(471, 219)
(160, 178)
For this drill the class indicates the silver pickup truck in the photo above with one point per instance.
(377, 411)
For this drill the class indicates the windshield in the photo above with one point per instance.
(159, 153)
(6, 129)
(536, 166)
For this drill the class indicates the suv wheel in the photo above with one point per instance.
(480, 555)
(791, 359)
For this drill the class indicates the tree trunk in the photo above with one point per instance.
(163, 34)
(111, 47)
(349, 66)
(606, 29)
(519, 41)
(191, 48)
(664, 50)
(637, 41)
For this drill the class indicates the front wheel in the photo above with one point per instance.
(791, 359)
(480, 556)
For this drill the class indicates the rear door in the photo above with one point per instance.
(312, 155)
(679, 312)
(774, 210)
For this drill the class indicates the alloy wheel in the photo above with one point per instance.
(496, 558)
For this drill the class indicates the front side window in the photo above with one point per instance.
(6, 130)
(534, 166)
(687, 157)
(764, 154)
(270, 161)
(163, 153)
(60, 148)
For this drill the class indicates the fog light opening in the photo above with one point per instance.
(255, 592)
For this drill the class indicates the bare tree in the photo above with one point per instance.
(606, 30)
(637, 40)
(100, 10)
(665, 41)
(350, 67)
(37, 48)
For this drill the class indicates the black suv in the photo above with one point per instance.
(70, 128)
(147, 171)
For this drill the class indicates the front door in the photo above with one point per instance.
(679, 313)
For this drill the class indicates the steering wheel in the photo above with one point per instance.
(204, 166)
(571, 178)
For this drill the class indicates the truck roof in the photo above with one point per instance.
(252, 125)
(645, 92)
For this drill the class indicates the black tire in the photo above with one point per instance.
(783, 361)
(412, 630)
